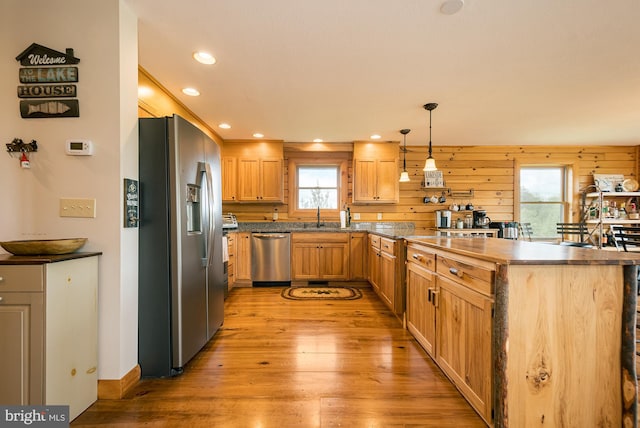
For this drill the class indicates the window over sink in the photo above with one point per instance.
(317, 181)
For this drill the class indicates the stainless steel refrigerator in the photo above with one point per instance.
(181, 277)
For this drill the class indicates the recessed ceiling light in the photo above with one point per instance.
(375, 137)
(204, 57)
(318, 140)
(192, 92)
(144, 91)
(258, 135)
(451, 7)
(224, 126)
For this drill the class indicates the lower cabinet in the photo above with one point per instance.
(48, 331)
(386, 272)
(320, 256)
(449, 312)
(243, 257)
(463, 342)
(358, 256)
(231, 264)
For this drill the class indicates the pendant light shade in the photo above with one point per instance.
(404, 176)
(430, 164)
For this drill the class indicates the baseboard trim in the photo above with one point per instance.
(115, 389)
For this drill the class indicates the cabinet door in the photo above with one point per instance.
(421, 313)
(231, 264)
(243, 256)
(374, 267)
(22, 348)
(249, 180)
(387, 279)
(271, 189)
(334, 261)
(305, 261)
(387, 187)
(358, 256)
(229, 179)
(364, 180)
(72, 334)
(463, 342)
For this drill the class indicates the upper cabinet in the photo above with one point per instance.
(375, 171)
(229, 179)
(252, 171)
(260, 180)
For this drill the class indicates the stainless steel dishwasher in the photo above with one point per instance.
(271, 258)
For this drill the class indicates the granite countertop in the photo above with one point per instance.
(394, 230)
(507, 251)
(10, 259)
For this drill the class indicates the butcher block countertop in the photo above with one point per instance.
(506, 251)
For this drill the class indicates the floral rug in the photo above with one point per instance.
(321, 293)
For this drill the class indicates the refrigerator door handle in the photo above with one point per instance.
(210, 215)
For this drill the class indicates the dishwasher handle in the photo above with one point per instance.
(269, 236)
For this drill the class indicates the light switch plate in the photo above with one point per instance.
(78, 208)
(379, 216)
(356, 216)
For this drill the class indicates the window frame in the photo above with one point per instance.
(568, 191)
(339, 160)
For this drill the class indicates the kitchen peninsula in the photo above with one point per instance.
(528, 331)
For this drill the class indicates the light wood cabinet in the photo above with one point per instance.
(421, 287)
(48, 327)
(252, 171)
(229, 179)
(243, 257)
(358, 256)
(463, 342)
(375, 173)
(232, 240)
(449, 312)
(260, 180)
(386, 272)
(322, 256)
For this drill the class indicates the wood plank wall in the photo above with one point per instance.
(489, 170)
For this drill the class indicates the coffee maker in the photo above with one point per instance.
(480, 219)
(443, 219)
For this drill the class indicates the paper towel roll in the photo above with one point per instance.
(343, 219)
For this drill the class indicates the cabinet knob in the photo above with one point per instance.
(1, 279)
(0, 298)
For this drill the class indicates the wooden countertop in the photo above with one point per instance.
(9, 259)
(506, 251)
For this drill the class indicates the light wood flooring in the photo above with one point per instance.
(283, 363)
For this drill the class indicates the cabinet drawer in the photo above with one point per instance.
(388, 246)
(421, 257)
(374, 241)
(22, 278)
(475, 277)
(320, 237)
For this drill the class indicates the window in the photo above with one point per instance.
(318, 186)
(543, 198)
(317, 180)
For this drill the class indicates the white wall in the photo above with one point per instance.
(103, 35)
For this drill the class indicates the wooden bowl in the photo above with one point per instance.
(37, 247)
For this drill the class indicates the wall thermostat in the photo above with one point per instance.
(79, 147)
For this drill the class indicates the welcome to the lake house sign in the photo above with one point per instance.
(47, 78)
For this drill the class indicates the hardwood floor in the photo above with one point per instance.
(284, 363)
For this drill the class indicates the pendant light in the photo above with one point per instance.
(404, 177)
(430, 164)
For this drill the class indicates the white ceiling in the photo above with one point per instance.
(502, 71)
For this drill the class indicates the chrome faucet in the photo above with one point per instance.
(318, 222)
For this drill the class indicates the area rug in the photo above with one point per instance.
(321, 293)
